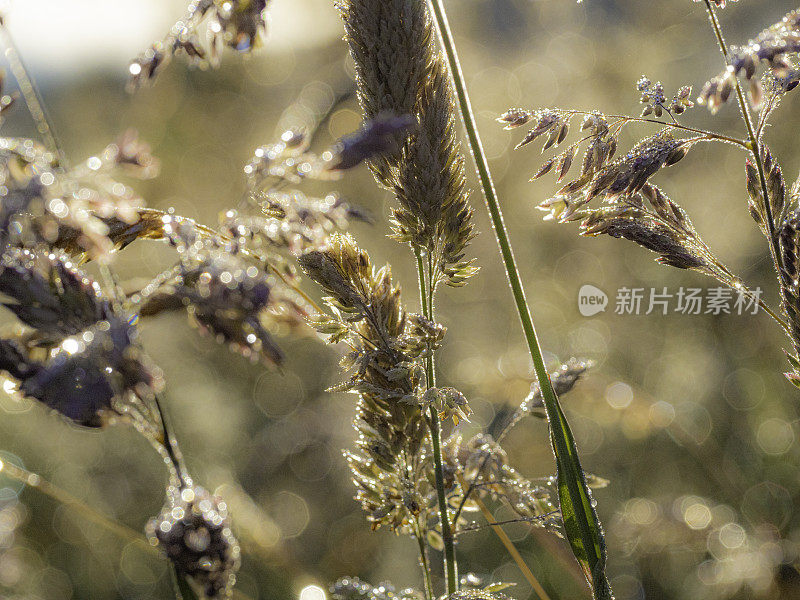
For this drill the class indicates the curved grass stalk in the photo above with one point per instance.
(581, 523)
(63, 497)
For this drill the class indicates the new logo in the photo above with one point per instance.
(591, 300)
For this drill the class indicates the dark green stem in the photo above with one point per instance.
(423, 301)
(426, 300)
(447, 532)
(576, 495)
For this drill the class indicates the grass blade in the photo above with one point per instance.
(580, 518)
(583, 529)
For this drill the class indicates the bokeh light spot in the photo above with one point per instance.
(775, 436)
(312, 592)
(619, 395)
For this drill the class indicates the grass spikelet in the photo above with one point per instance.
(400, 70)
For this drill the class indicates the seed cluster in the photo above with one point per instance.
(656, 103)
(400, 71)
(634, 209)
(483, 463)
(207, 27)
(391, 457)
(776, 47)
(82, 210)
(563, 380)
(93, 365)
(193, 531)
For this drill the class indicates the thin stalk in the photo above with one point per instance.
(566, 454)
(167, 441)
(423, 561)
(170, 444)
(713, 135)
(426, 299)
(447, 533)
(471, 488)
(296, 288)
(754, 145)
(476, 527)
(31, 96)
(512, 549)
(63, 497)
(767, 309)
(423, 301)
(431, 292)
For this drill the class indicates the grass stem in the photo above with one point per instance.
(754, 144)
(423, 561)
(426, 299)
(65, 498)
(583, 527)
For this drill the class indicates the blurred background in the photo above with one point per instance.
(688, 416)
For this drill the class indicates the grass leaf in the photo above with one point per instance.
(581, 524)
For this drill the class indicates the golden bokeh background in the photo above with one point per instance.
(688, 416)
